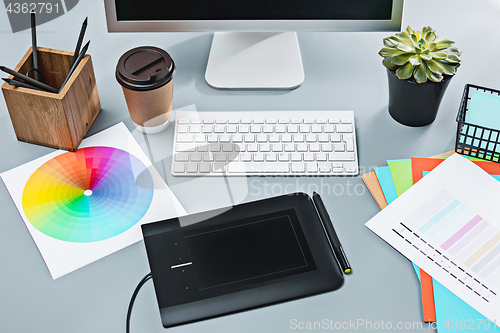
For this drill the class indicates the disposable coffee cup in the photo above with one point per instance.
(146, 76)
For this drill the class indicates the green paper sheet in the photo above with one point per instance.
(401, 175)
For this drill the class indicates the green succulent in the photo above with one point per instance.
(421, 55)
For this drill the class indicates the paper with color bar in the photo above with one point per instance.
(80, 207)
(458, 231)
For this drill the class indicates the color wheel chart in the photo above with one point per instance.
(88, 196)
(458, 240)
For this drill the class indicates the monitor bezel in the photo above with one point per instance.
(394, 24)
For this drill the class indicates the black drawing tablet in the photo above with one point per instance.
(238, 258)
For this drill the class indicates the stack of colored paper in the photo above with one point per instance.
(440, 305)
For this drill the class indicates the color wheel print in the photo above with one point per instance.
(89, 195)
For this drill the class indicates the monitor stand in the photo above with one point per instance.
(255, 60)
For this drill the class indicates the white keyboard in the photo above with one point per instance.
(265, 143)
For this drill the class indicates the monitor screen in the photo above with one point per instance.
(146, 10)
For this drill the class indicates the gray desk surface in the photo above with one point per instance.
(343, 71)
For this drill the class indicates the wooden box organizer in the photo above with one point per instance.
(49, 119)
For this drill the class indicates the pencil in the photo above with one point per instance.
(28, 79)
(16, 83)
(80, 40)
(77, 61)
(33, 44)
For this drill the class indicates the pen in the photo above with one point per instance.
(327, 222)
(33, 44)
(80, 40)
(28, 79)
(20, 84)
(78, 59)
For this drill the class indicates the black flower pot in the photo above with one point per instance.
(415, 104)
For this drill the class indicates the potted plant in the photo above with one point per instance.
(419, 68)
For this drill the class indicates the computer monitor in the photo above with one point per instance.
(255, 45)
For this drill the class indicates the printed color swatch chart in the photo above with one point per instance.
(447, 224)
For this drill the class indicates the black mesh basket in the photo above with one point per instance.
(474, 140)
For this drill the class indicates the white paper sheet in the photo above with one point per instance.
(63, 256)
(449, 225)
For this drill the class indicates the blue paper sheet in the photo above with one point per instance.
(484, 110)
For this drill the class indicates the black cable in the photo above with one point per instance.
(134, 295)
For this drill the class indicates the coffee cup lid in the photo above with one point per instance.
(145, 68)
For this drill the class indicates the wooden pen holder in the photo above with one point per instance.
(49, 119)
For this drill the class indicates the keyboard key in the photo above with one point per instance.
(339, 146)
(261, 138)
(296, 157)
(243, 128)
(256, 167)
(308, 121)
(329, 128)
(220, 157)
(283, 157)
(200, 138)
(214, 147)
(321, 121)
(212, 138)
(311, 137)
(185, 138)
(334, 120)
(296, 121)
(185, 147)
(179, 167)
(314, 147)
(183, 121)
(195, 121)
(346, 121)
(196, 157)
(278, 147)
(204, 167)
(192, 168)
(326, 147)
(271, 121)
(219, 167)
(341, 156)
(293, 128)
(274, 138)
(207, 128)
(298, 137)
(252, 147)
(316, 128)
(181, 157)
(182, 129)
(258, 157)
(194, 129)
(219, 128)
(232, 128)
(324, 167)
(237, 138)
(344, 128)
(208, 121)
(220, 121)
(301, 146)
(286, 138)
(323, 137)
(227, 147)
(335, 137)
(224, 138)
(208, 157)
(267, 128)
(304, 128)
(350, 169)
(312, 167)
(233, 121)
(271, 157)
(280, 128)
(349, 145)
(290, 147)
(308, 157)
(249, 137)
(298, 167)
(321, 157)
(283, 121)
(255, 128)
(202, 148)
(246, 121)
(246, 157)
(265, 147)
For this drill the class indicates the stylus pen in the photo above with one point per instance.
(28, 79)
(33, 45)
(78, 59)
(337, 247)
(16, 83)
(79, 43)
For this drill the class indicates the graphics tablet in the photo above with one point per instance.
(238, 258)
